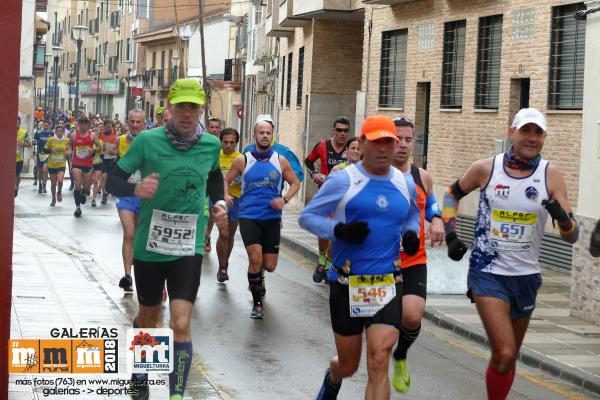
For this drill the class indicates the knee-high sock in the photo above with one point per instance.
(255, 286)
(406, 339)
(498, 384)
(140, 378)
(181, 369)
(77, 197)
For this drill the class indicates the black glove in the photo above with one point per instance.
(352, 232)
(555, 210)
(410, 243)
(456, 247)
(595, 241)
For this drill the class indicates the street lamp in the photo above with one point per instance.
(47, 59)
(98, 66)
(57, 50)
(78, 34)
(175, 61)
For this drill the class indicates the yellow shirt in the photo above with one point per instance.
(123, 145)
(58, 156)
(22, 136)
(226, 160)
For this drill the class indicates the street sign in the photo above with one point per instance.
(72, 90)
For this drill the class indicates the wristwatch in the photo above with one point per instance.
(286, 200)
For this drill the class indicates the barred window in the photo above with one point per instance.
(453, 64)
(567, 49)
(300, 77)
(288, 94)
(392, 77)
(282, 79)
(489, 49)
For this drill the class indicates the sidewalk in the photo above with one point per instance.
(558, 344)
(60, 286)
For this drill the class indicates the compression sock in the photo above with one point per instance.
(77, 197)
(181, 368)
(254, 280)
(498, 384)
(139, 378)
(406, 339)
(322, 257)
(328, 262)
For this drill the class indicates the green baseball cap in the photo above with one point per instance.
(160, 110)
(186, 91)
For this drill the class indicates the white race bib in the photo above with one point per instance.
(370, 293)
(82, 152)
(172, 234)
(512, 230)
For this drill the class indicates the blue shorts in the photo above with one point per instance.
(233, 212)
(129, 203)
(518, 291)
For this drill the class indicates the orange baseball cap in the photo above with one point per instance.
(377, 127)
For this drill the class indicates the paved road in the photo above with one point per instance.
(284, 355)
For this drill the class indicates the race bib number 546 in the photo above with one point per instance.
(172, 234)
(370, 293)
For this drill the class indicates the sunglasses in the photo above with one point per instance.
(340, 130)
(187, 106)
(397, 120)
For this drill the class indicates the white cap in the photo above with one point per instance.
(529, 116)
(264, 118)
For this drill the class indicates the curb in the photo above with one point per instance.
(528, 357)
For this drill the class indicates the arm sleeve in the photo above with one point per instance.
(314, 217)
(117, 184)
(413, 220)
(214, 185)
(431, 208)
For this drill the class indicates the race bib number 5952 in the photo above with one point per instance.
(172, 234)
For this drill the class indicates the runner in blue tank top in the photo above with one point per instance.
(373, 207)
(263, 172)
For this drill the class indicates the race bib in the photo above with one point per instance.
(57, 157)
(43, 157)
(82, 152)
(172, 234)
(370, 293)
(512, 230)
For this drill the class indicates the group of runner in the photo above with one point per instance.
(369, 213)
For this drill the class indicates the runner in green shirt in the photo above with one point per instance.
(179, 166)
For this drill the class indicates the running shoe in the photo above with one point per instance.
(93, 203)
(77, 212)
(401, 380)
(257, 312)
(207, 246)
(44, 189)
(126, 283)
(82, 197)
(53, 203)
(104, 199)
(328, 390)
(222, 275)
(320, 274)
(59, 197)
(40, 188)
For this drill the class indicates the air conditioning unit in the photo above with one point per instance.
(262, 80)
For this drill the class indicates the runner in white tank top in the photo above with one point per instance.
(518, 191)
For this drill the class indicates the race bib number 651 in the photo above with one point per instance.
(172, 234)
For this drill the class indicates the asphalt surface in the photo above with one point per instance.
(284, 355)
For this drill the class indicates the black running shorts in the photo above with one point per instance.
(414, 280)
(182, 276)
(267, 233)
(345, 325)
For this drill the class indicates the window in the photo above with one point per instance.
(453, 64)
(392, 78)
(300, 77)
(489, 48)
(288, 93)
(426, 36)
(101, 11)
(282, 79)
(567, 48)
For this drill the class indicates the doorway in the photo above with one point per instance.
(519, 96)
(422, 124)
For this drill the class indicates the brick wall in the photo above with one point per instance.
(456, 139)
